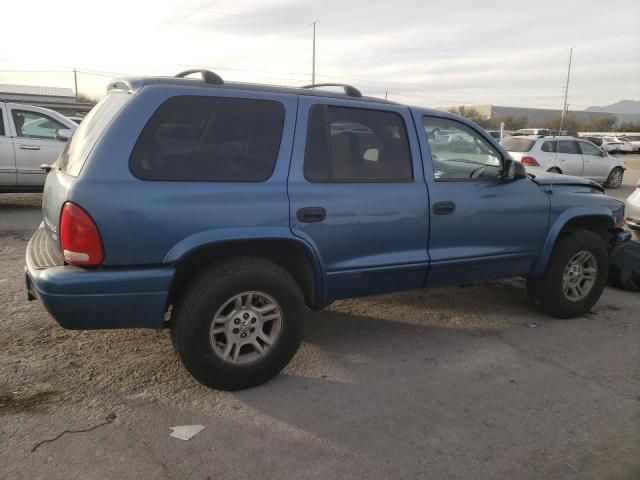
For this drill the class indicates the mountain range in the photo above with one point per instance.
(623, 106)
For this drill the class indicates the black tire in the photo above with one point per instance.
(194, 311)
(612, 179)
(555, 170)
(546, 292)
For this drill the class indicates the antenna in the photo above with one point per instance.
(563, 114)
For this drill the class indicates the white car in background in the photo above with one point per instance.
(29, 137)
(567, 155)
(634, 140)
(612, 144)
(633, 211)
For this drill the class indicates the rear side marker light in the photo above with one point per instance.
(79, 237)
(532, 162)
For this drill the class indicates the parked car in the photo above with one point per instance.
(29, 137)
(634, 140)
(236, 206)
(611, 144)
(633, 211)
(567, 155)
(532, 131)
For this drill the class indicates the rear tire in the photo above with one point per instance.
(555, 293)
(615, 178)
(222, 305)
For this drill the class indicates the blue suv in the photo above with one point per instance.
(224, 210)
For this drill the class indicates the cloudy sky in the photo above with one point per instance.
(423, 52)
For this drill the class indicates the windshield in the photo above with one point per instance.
(515, 144)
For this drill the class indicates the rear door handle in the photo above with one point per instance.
(443, 208)
(311, 214)
(29, 147)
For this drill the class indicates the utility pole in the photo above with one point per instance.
(313, 61)
(75, 81)
(385, 94)
(566, 90)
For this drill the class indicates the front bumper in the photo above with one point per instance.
(105, 298)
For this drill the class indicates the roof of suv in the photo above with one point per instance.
(135, 83)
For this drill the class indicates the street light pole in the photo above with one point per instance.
(75, 82)
(566, 90)
(313, 61)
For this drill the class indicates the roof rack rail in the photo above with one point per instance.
(207, 76)
(348, 89)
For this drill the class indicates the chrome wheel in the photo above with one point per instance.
(579, 276)
(615, 178)
(245, 328)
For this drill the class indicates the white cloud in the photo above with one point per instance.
(422, 52)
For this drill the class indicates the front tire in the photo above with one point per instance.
(238, 324)
(575, 277)
(615, 178)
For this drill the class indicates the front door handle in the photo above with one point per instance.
(29, 147)
(443, 208)
(311, 214)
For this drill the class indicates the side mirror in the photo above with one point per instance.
(63, 134)
(604, 153)
(514, 170)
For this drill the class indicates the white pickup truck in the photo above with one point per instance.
(29, 137)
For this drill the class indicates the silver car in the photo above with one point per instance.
(567, 155)
(633, 211)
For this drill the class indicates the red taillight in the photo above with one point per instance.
(79, 237)
(529, 161)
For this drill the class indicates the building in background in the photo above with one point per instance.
(541, 117)
(62, 100)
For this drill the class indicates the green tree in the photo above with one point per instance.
(600, 124)
(633, 126)
(568, 124)
(513, 123)
(473, 115)
(84, 98)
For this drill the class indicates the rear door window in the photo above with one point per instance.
(356, 145)
(568, 146)
(211, 139)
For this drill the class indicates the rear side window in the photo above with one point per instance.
(211, 139)
(568, 146)
(518, 144)
(356, 145)
(549, 147)
(82, 141)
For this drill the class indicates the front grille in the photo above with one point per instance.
(43, 251)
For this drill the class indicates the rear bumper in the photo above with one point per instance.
(83, 299)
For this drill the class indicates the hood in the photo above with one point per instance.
(542, 177)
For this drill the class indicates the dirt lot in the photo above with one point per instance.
(444, 384)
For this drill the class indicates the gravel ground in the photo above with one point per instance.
(446, 383)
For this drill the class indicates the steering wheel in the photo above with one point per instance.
(476, 173)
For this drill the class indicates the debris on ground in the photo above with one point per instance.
(185, 432)
(532, 325)
(107, 420)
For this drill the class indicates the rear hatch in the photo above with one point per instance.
(518, 146)
(67, 168)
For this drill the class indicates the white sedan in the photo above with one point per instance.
(633, 211)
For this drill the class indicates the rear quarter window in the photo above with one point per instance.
(518, 144)
(214, 139)
(77, 149)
